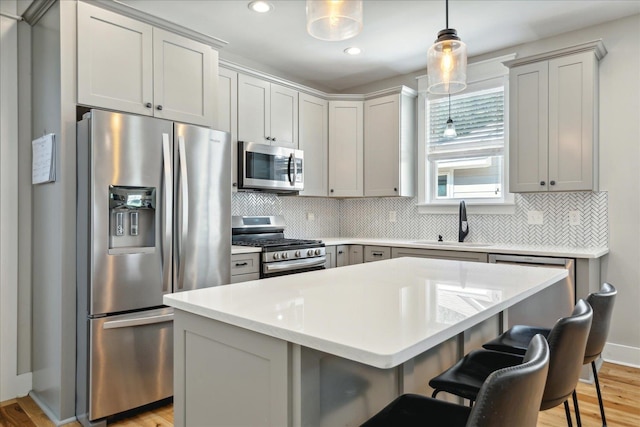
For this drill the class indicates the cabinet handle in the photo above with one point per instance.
(340, 252)
(241, 264)
(235, 184)
(148, 105)
(376, 253)
(268, 138)
(273, 139)
(159, 108)
(542, 183)
(395, 189)
(552, 182)
(332, 190)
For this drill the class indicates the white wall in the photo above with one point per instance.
(12, 384)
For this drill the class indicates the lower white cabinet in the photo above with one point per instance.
(343, 255)
(245, 267)
(439, 254)
(376, 253)
(356, 254)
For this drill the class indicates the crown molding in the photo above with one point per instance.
(595, 46)
(36, 10)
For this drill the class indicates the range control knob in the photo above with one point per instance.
(317, 251)
(285, 255)
(276, 256)
(310, 252)
(297, 254)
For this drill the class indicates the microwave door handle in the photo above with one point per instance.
(184, 197)
(295, 170)
(166, 247)
(291, 160)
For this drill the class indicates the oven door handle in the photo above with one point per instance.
(294, 264)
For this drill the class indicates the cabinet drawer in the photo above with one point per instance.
(439, 254)
(237, 278)
(245, 264)
(376, 253)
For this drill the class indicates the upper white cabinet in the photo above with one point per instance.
(228, 115)
(389, 145)
(553, 124)
(346, 148)
(314, 140)
(267, 112)
(127, 65)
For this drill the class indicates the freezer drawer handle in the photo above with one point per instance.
(115, 324)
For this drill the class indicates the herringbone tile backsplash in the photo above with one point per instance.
(369, 217)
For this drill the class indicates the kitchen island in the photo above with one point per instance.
(332, 347)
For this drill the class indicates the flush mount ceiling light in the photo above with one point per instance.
(260, 6)
(447, 62)
(450, 130)
(353, 51)
(334, 20)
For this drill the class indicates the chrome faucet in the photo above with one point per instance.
(463, 225)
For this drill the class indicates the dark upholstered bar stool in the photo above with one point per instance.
(567, 341)
(509, 397)
(516, 339)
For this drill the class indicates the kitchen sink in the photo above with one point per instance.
(448, 243)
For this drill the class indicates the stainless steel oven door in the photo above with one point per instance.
(131, 361)
(264, 167)
(281, 268)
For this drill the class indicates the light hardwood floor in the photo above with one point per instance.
(620, 388)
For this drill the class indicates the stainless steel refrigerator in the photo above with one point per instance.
(154, 217)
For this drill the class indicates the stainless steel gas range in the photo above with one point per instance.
(280, 256)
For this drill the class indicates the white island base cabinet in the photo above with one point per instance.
(225, 375)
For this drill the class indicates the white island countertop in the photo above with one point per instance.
(381, 314)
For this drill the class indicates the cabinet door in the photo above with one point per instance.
(184, 83)
(346, 145)
(254, 100)
(284, 117)
(330, 254)
(228, 115)
(356, 254)
(528, 127)
(314, 141)
(115, 61)
(342, 255)
(382, 146)
(571, 122)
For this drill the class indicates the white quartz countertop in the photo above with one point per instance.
(493, 248)
(239, 250)
(381, 314)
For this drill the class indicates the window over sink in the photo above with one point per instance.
(470, 166)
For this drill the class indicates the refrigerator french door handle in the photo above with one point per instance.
(127, 323)
(167, 248)
(184, 197)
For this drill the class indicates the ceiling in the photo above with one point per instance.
(394, 40)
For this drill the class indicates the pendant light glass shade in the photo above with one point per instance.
(450, 130)
(334, 20)
(447, 62)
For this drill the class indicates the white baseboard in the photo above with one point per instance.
(54, 419)
(15, 386)
(622, 355)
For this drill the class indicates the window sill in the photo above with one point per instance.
(473, 207)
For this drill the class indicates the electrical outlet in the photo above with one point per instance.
(535, 217)
(392, 216)
(574, 217)
(311, 216)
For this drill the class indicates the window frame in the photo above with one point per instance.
(480, 75)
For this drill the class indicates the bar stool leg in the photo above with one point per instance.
(568, 413)
(595, 376)
(575, 405)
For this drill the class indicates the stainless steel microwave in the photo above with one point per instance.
(268, 168)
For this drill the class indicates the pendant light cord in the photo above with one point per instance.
(447, 13)
(449, 106)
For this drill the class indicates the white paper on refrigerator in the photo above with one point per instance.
(43, 166)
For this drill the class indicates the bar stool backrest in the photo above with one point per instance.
(602, 305)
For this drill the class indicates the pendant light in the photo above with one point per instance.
(447, 61)
(450, 130)
(334, 20)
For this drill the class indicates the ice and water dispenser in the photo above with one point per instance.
(132, 219)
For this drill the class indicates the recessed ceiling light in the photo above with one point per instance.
(260, 6)
(353, 51)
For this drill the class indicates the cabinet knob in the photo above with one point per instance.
(395, 189)
(159, 108)
(340, 252)
(542, 183)
(148, 105)
(273, 139)
(331, 190)
(268, 138)
(552, 182)
(235, 184)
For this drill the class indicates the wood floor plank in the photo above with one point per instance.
(13, 415)
(620, 389)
